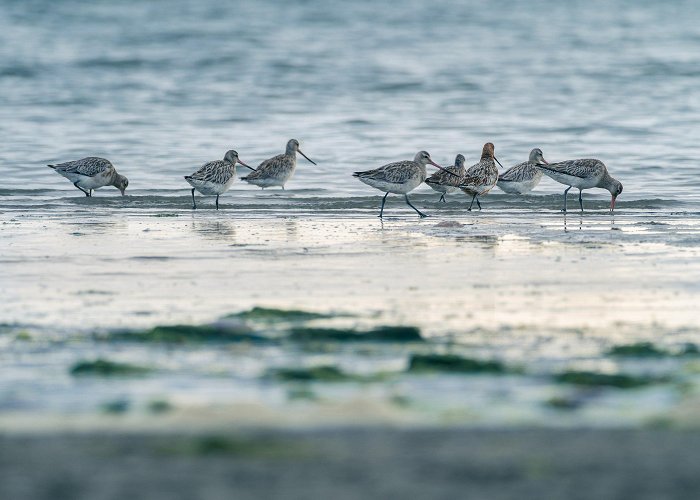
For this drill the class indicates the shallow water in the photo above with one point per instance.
(161, 88)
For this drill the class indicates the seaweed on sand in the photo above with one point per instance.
(312, 374)
(619, 380)
(453, 363)
(638, 350)
(272, 315)
(180, 334)
(105, 368)
(379, 334)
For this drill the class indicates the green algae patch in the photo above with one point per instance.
(181, 334)
(690, 350)
(159, 406)
(117, 407)
(106, 368)
(563, 403)
(649, 350)
(312, 374)
(594, 379)
(301, 393)
(23, 336)
(453, 363)
(271, 315)
(380, 334)
(638, 350)
(220, 445)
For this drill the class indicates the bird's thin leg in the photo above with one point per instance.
(91, 193)
(580, 200)
(414, 208)
(478, 204)
(217, 201)
(194, 204)
(381, 211)
(470, 205)
(86, 193)
(442, 199)
(565, 192)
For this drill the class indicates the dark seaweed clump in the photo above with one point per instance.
(270, 315)
(312, 374)
(638, 350)
(690, 350)
(380, 334)
(649, 350)
(106, 368)
(180, 334)
(619, 380)
(453, 363)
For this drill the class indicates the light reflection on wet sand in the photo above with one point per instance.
(487, 271)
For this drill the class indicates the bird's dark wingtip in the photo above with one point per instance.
(52, 166)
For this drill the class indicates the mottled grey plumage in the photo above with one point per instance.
(398, 173)
(583, 174)
(90, 166)
(587, 168)
(276, 171)
(523, 177)
(481, 177)
(445, 182)
(400, 177)
(91, 173)
(215, 172)
(215, 177)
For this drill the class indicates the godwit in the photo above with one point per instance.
(523, 177)
(445, 182)
(481, 177)
(91, 173)
(215, 177)
(400, 177)
(277, 170)
(583, 174)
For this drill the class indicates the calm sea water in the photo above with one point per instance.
(161, 87)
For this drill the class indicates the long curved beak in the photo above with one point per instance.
(612, 203)
(302, 154)
(498, 162)
(441, 168)
(245, 165)
(544, 162)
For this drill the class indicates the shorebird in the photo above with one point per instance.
(523, 177)
(215, 177)
(446, 182)
(583, 174)
(91, 173)
(400, 177)
(481, 177)
(277, 170)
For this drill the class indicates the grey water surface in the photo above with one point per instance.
(161, 87)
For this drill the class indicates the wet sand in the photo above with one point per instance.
(352, 463)
(533, 289)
